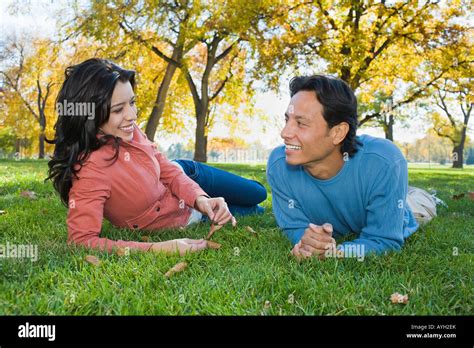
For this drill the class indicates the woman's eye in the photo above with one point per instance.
(117, 111)
(133, 102)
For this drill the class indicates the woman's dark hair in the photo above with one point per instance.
(338, 101)
(87, 86)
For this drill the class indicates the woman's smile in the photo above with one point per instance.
(127, 129)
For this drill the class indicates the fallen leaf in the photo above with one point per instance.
(471, 195)
(145, 238)
(2, 212)
(179, 267)
(93, 260)
(399, 298)
(267, 304)
(251, 230)
(458, 197)
(123, 251)
(213, 229)
(28, 194)
(213, 245)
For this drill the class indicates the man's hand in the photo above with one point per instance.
(215, 208)
(181, 246)
(315, 241)
(298, 253)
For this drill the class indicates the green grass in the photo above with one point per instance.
(240, 277)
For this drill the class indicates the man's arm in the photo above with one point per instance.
(287, 210)
(385, 211)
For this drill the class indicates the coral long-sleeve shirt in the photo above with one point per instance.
(141, 190)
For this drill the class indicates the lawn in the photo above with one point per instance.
(249, 275)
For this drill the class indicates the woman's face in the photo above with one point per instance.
(123, 112)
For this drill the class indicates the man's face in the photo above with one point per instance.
(306, 133)
(123, 112)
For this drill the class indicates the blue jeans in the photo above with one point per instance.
(241, 195)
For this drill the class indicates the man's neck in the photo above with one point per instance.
(327, 167)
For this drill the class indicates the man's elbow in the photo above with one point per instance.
(377, 246)
(390, 244)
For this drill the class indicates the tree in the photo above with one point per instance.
(375, 46)
(222, 144)
(203, 39)
(452, 126)
(431, 148)
(33, 72)
(177, 151)
(29, 82)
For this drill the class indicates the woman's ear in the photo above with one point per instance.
(339, 132)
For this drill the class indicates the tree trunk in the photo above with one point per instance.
(200, 146)
(389, 128)
(159, 106)
(17, 148)
(41, 145)
(458, 157)
(42, 122)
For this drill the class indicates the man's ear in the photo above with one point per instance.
(339, 132)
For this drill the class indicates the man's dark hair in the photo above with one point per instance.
(338, 101)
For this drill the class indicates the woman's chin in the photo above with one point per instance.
(127, 136)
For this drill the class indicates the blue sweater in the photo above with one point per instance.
(366, 197)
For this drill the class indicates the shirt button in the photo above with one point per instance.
(135, 226)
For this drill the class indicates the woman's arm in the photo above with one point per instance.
(181, 246)
(86, 208)
(178, 183)
(191, 193)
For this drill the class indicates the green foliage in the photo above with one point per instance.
(7, 141)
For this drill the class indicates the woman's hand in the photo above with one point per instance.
(215, 208)
(181, 246)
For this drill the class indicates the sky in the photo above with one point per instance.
(41, 20)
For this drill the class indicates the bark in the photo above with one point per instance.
(160, 101)
(388, 128)
(458, 157)
(200, 146)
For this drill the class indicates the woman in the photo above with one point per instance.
(104, 166)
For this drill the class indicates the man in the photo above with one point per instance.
(328, 183)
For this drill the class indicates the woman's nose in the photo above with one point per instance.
(131, 113)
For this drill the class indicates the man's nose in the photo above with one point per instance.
(286, 132)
